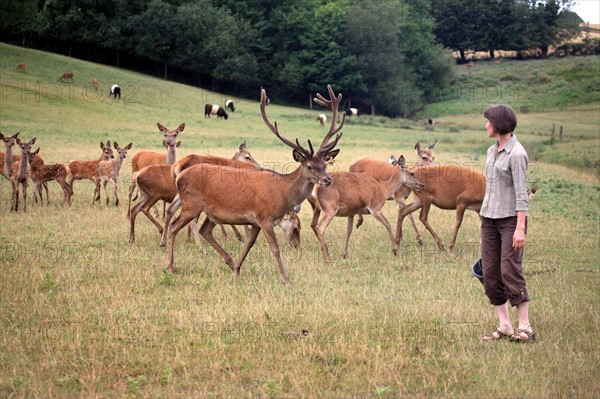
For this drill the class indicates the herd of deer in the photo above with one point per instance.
(260, 198)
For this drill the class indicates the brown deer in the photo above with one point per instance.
(7, 158)
(447, 187)
(21, 67)
(89, 169)
(353, 194)
(146, 158)
(259, 198)
(383, 170)
(290, 224)
(41, 173)
(157, 182)
(20, 175)
(66, 76)
(108, 172)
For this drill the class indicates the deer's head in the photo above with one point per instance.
(25, 147)
(425, 156)
(171, 135)
(9, 141)
(313, 164)
(407, 178)
(107, 152)
(244, 155)
(122, 151)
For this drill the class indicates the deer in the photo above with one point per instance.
(42, 174)
(66, 76)
(382, 171)
(95, 83)
(7, 158)
(290, 224)
(146, 158)
(228, 195)
(108, 171)
(20, 175)
(447, 187)
(21, 67)
(89, 169)
(157, 182)
(353, 194)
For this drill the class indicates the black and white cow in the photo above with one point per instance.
(214, 109)
(229, 105)
(115, 90)
(351, 111)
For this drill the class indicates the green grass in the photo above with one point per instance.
(85, 314)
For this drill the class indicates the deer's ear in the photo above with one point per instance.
(418, 146)
(128, 146)
(15, 136)
(331, 155)
(178, 144)
(243, 145)
(161, 127)
(36, 152)
(298, 156)
(32, 142)
(393, 160)
(18, 141)
(116, 145)
(180, 128)
(402, 161)
(102, 145)
(433, 145)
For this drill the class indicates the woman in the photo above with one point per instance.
(504, 225)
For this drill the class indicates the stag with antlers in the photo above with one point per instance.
(231, 196)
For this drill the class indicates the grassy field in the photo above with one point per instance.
(85, 314)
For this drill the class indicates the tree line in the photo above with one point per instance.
(388, 57)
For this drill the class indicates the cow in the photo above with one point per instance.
(214, 109)
(351, 111)
(229, 104)
(115, 90)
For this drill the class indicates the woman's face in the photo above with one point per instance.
(490, 129)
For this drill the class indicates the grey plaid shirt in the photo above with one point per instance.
(506, 174)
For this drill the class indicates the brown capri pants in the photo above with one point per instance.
(502, 265)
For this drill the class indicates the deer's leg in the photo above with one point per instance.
(193, 228)
(175, 205)
(270, 235)
(249, 244)
(348, 232)
(237, 233)
(223, 232)
(132, 187)
(136, 209)
(400, 198)
(402, 213)
(460, 212)
(206, 231)
(116, 188)
(360, 221)
(320, 232)
(15, 197)
(37, 192)
(381, 218)
(25, 195)
(423, 218)
(104, 183)
(45, 185)
(184, 218)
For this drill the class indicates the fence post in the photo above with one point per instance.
(560, 133)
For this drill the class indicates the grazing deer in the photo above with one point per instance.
(20, 175)
(41, 174)
(383, 170)
(157, 182)
(66, 76)
(108, 171)
(447, 187)
(259, 198)
(146, 158)
(21, 67)
(353, 194)
(89, 169)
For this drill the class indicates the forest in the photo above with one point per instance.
(389, 57)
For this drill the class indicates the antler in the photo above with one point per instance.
(274, 129)
(333, 103)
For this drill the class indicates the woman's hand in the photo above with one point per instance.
(519, 238)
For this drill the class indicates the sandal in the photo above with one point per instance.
(497, 335)
(523, 335)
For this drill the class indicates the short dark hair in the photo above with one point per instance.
(502, 117)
